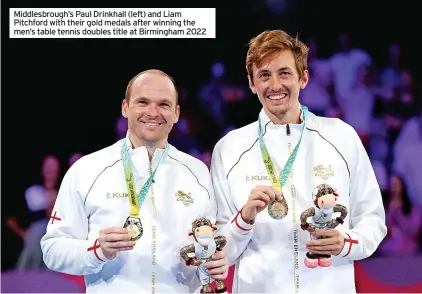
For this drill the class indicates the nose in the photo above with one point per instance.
(152, 110)
(275, 83)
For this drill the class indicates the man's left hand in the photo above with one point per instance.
(331, 245)
(218, 267)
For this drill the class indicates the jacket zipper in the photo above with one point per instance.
(154, 231)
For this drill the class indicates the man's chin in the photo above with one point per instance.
(152, 137)
(278, 110)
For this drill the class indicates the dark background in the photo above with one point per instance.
(63, 95)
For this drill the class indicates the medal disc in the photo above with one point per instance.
(278, 209)
(134, 226)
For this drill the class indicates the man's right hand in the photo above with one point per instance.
(113, 240)
(258, 200)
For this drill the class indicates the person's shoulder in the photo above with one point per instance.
(334, 126)
(192, 163)
(98, 160)
(238, 138)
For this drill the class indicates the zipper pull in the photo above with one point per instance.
(288, 130)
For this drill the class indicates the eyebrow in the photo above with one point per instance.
(285, 68)
(159, 100)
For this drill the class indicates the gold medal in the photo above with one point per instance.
(134, 226)
(278, 209)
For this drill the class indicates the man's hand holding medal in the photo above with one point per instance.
(113, 240)
(259, 198)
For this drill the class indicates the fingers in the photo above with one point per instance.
(323, 248)
(112, 237)
(121, 244)
(330, 252)
(273, 193)
(328, 233)
(114, 230)
(259, 195)
(324, 242)
(266, 190)
(258, 203)
(215, 264)
(219, 255)
(125, 248)
(218, 271)
(278, 195)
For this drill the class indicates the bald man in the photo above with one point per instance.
(122, 213)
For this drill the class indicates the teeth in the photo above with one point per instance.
(152, 124)
(277, 97)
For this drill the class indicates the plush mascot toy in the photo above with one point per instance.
(325, 199)
(203, 248)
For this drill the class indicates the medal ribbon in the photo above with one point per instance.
(279, 183)
(136, 201)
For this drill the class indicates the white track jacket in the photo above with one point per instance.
(269, 255)
(93, 196)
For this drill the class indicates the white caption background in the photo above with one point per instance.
(78, 23)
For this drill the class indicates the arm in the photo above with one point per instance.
(229, 221)
(65, 246)
(339, 220)
(367, 215)
(184, 254)
(220, 242)
(304, 220)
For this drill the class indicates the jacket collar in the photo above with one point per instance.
(311, 121)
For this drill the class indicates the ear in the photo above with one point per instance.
(305, 79)
(251, 85)
(177, 114)
(125, 105)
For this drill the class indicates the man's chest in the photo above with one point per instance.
(171, 199)
(317, 162)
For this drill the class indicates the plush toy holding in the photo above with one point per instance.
(204, 247)
(324, 198)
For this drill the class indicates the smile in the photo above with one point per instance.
(277, 97)
(152, 124)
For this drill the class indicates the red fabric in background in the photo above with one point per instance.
(365, 283)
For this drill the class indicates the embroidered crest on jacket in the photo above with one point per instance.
(323, 172)
(186, 199)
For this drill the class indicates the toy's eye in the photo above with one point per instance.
(197, 230)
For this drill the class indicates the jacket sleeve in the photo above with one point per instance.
(367, 215)
(229, 221)
(65, 245)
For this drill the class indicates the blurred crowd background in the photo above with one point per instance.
(365, 73)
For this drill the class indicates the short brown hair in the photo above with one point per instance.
(270, 42)
(157, 71)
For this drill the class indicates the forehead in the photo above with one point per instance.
(273, 62)
(153, 86)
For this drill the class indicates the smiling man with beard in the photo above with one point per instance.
(264, 175)
(131, 242)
